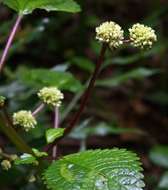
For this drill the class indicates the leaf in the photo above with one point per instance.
(115, 169)
(159, 155)
(53, 134)
(83, 63)
(24, 7)
(138, 74)
(39, 78)
(26, 159)
(163, 184)
(38, 153)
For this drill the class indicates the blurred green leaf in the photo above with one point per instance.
(138, 74)
(163, 184)
(24, 7)
(53, 134)
(83, 63)
(159, 48)
(85, 129)
(159, 155)
(39, 78)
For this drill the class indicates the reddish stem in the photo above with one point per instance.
(85, 97)
(9, 41)
(38, 109)
(56, 124)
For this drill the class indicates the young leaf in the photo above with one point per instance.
(24, 7)
(38, 153)
(26, 159)
(114, 169)
(52, 134)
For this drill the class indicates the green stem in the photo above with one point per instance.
(10, 132)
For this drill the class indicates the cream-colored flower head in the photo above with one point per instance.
(142, 36)
(111, 33)
(2, 101)
(6, 165)
(51, 96)
(25, 119)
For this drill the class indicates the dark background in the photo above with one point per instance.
(129, 106)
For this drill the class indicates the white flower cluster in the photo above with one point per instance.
(25, 119)
(51, 96)
(142, 36)
(110, 33)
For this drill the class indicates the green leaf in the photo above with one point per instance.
(138, 74)
(83, 63)
(163, 184)
(38, 153)
(24, 7)
(39, 78)
(53, 134)
(116, 169)
(26, 159)
(159, 155)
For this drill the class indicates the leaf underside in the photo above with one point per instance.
(116, 169)
(28, 6)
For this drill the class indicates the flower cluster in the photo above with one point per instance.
(2, 101)
(25, 119)
(6, 165)
(142, 36)
(51, 96)
(110, 33)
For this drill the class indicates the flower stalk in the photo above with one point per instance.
(56, 124)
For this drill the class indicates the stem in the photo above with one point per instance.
(87, 93)
(85, 97)
(38, 109)
(56, 123)
(10, 132)
(9, 41)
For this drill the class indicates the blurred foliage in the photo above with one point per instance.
(129, 106)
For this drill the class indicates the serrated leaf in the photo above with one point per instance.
(159, 155)
(39, 78)
(39, 153)
(116, 169)
(26, 159)
(24, 7)
(53, 134)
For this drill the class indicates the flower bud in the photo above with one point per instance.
(51, 96)
(142, 36)
(25, 119)
(111, 33)
(6, 165)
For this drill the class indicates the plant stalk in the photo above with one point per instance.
(56, 125)
(85, 96)
(10, 132)
(9, 41)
